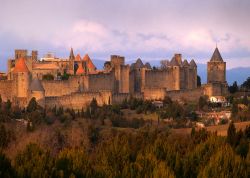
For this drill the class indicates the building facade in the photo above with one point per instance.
(117, 81)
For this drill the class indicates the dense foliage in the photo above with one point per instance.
(146, 153)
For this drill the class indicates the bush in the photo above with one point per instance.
(48, 77)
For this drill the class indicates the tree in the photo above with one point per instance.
(32, 106)
(93, 106)
(233, 88)
(167, 100)
(34, 162)
(224, 164)
(4, 137)
(48, 77)
(198, 81)
(231, 134)
(246, 84)
(164, 64)
(8, 105)
(202, 102)
(6, 170)
(234, 109)
(73, 163)
(1, 101)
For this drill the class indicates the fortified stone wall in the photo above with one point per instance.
(159, 79)
(186, 95)
(154, 93)
(102, 81)
(215, 89)
(61, 87)
(78, 100)
(120, 97)
(7, 88)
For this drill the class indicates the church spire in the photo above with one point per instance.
(71, 56)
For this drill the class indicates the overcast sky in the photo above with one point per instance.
(149, 29)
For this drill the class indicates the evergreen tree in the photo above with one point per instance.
(231, 134)
(4, 137)
(198, 81)
(6, 170)
(233, 88)
(32, 106)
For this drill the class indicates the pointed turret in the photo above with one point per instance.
(147, 65)
(216, 68)
(216, 56)
(185, 63)
(78, 57)
(71, 56)
(89, 63)
(193, 64)
(20, 66)
(138, 63)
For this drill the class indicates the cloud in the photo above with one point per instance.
(142, 28)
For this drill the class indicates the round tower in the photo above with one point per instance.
(22, 78)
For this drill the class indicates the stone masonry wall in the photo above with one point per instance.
(78, 100)
(61, 87)
(103, 81)
(7, 88)
(159, 79)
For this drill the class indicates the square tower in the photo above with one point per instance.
(216, 68)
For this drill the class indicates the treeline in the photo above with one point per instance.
(244, 87)
(145, 153)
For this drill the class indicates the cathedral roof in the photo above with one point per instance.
(78, 57)
(36, 85)
(89, 62)
(216, 56)
(80, 70)
(20, 66)
(192, 63)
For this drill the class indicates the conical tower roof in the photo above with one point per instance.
(147, 65)
(185, 63)
(192, 63)
(216, 56)
(36, 85)
(20, 66)
(80, 70)
(139, 63)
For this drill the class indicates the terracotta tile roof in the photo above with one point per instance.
(80, 70)
(20, 66)
(78, 57)
(45, 66)
(89, 62)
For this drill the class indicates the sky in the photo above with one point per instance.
(146, 29)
